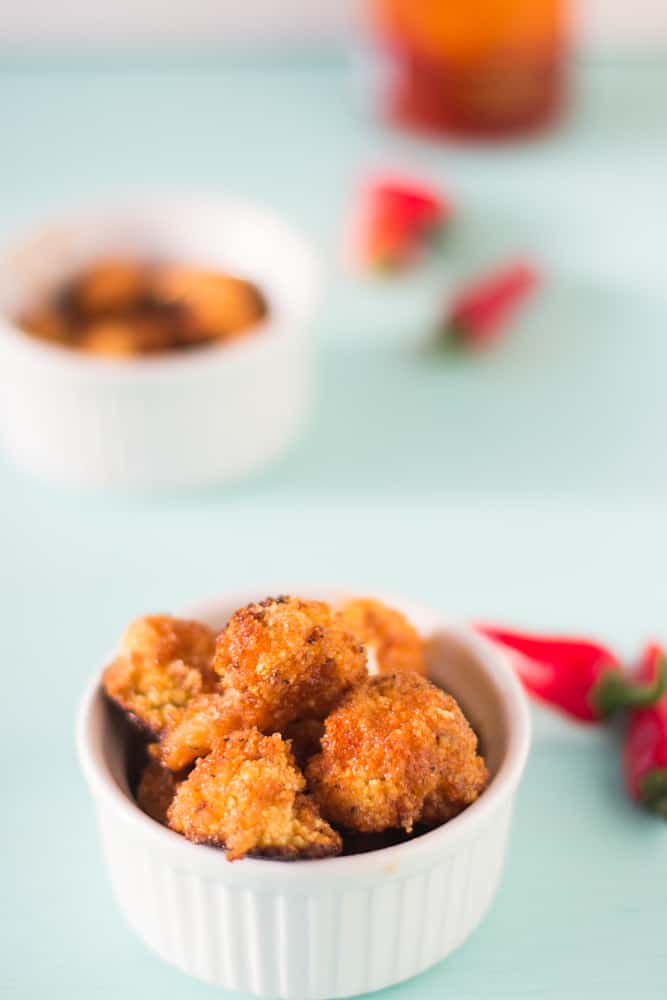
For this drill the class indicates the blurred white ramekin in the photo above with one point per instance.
(182, 419)
(310, 930)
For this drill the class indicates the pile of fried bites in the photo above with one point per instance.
(272, 739)
(125, 308)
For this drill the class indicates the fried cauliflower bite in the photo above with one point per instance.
(157, 787)
(287, 659)
(108, 287)
(395, 643)
(203, 723)
(247, 796)
(213, 304)
(124, 338)
(47, 323)
(162, 664)
(459, 785)
(392, 752)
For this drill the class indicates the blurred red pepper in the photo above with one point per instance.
(645, 743)
(418, 206)
(478, 314)
(580, 678)
(398, 219)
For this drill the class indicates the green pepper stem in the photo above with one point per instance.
(614, 690)
(653, 791)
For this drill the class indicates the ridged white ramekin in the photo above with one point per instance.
(311, 930)
(181, 419)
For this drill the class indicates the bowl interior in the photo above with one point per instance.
(216, 233)
(458, 661)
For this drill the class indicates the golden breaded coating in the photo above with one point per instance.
(156, 789)
(123, 338)
(163, 663)
(456, 788)
(202, 724)
(392, 743)
(287, 659)
(247, 796)
(395, 642)
(112, 338)
(213, 304)
(47, 323)
(110, 286)
(305, 736)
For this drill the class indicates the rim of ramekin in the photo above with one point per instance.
(287, 324)
(256, 872)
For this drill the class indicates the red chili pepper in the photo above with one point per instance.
(388, 242)
(417, 205)
(399, 217)
(645, 742)
(479, 313)
(580, 678)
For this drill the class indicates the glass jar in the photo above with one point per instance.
(477, 67)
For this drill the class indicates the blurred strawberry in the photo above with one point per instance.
(398, 221)
(479, 314)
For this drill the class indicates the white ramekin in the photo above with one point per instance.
(318, 929)
(182, 419)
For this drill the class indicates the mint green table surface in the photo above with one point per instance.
(528, 486)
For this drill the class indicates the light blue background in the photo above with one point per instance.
(527, 486)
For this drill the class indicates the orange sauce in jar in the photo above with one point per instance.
(477, 67)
